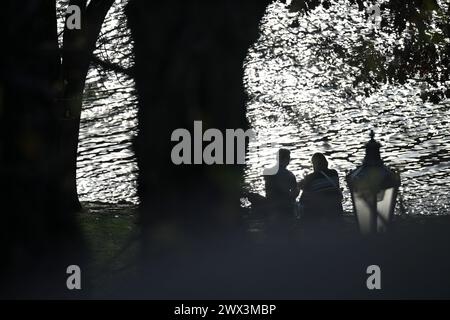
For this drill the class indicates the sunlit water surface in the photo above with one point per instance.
(302, 98)
(107, 169)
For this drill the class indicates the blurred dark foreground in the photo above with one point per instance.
(319, 261)
(316, 262)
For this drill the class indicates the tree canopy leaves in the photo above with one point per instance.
(422, 53)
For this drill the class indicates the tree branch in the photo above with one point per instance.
(112, 66)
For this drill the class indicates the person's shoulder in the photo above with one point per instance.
(332, 172)
(310, 176)
(292, 177)
(290, 173)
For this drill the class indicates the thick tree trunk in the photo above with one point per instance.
(189, 66)
(36, 234)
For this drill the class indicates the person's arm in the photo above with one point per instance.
(268, 186)
(295, 191)
(335, 176)
(294, 188)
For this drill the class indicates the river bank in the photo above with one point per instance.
(112, 233)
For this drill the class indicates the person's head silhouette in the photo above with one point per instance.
(284, 157)
(319, 162)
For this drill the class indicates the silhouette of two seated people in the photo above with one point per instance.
(321, 197)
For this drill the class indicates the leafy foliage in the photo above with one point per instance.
(422, 50)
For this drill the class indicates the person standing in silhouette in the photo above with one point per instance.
(281, 189)
(322, 195)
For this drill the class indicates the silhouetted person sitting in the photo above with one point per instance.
(281, 188)
(321, 196)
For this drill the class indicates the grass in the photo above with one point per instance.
(111, 234)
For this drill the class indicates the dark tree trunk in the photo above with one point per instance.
(78, 47)
(189, 66)
(37, 234)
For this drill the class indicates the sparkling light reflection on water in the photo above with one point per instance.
(106, 167)
(302, 98)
